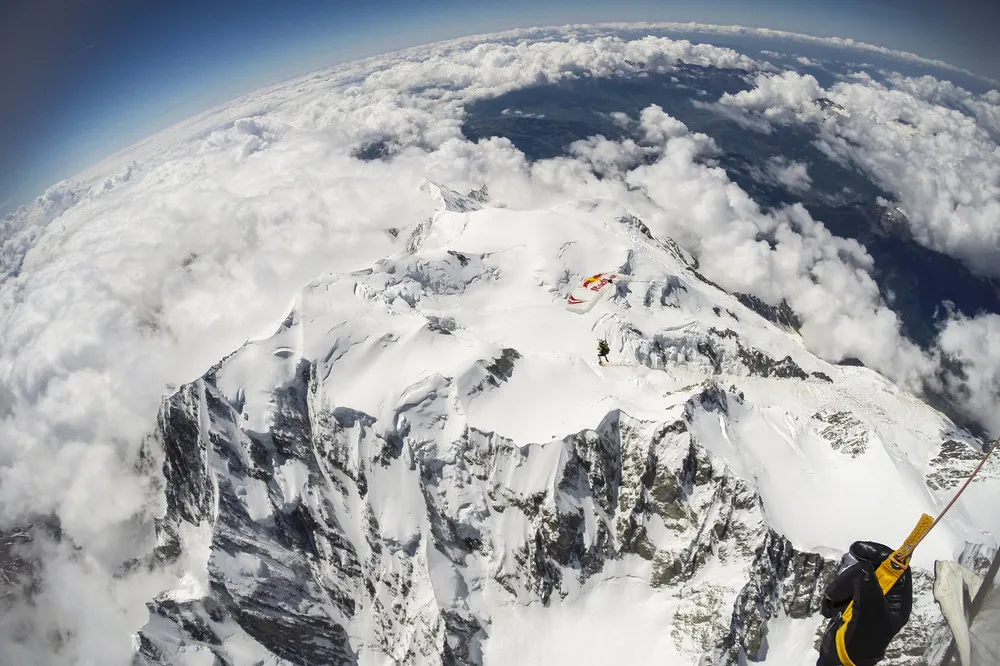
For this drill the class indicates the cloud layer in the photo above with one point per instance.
(772, 34)
(974, 343)
(930, 144)
(152, 266)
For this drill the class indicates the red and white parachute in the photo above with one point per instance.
(590, 291)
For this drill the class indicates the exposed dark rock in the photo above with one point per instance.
(482, 195)
(188, 618)
(782, 578)
(712, 398)
(442, 325)
(373, 150)
(667, 294)
(845, 433)
(762, 365)
(676, 427)
(828, 104)
(301, 638)
(704, 279)
(502, 368)
(464, 636)
(727, 333)
(20, 563)
(148, 654)
(185, 466)
(295, 542)
(637, 224)
(780, 314)
(953, 463)
(417, 236)
(707, 349)
(310, 579)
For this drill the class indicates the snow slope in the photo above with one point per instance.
(425, 464)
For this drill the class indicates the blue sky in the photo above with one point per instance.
(84, 78)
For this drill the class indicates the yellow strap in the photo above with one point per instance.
(887, 573)
(904, 552)
(841, 647)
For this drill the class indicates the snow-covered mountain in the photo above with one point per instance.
(425, 464)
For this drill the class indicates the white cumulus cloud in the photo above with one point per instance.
(793, 175)
(783, 97)
(975, 344)
(940, 162)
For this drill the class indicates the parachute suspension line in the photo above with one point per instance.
(894, 566)
(926, 524)
(965, 485)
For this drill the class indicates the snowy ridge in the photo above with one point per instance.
(426, 453)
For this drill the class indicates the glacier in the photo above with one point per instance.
(425, 464)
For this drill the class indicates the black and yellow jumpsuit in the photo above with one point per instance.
(876, 618)
(602, 351)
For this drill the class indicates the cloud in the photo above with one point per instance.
(802, 60)
(604, 156)
(984, 108)
(974, 344)
(659, 127)
(621, 119)
(939, 161)
(793, 175)
(521, 114)
(148, 268)
(748, 121)
(840, 42)
(784, 97)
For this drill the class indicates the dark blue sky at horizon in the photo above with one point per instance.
(85, 78)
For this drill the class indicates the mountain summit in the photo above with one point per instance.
(426, 464)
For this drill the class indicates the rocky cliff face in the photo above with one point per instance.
(290, 572)
(298, 576)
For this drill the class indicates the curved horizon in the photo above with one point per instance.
(113, 100)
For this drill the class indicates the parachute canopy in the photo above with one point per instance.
(590, 291)
(975, 626)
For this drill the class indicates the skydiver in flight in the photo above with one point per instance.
(602, 352)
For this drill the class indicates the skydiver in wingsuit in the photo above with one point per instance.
(875, 618)
(602, 352)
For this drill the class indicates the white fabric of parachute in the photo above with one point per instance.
(978, 642)
(590, 291)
